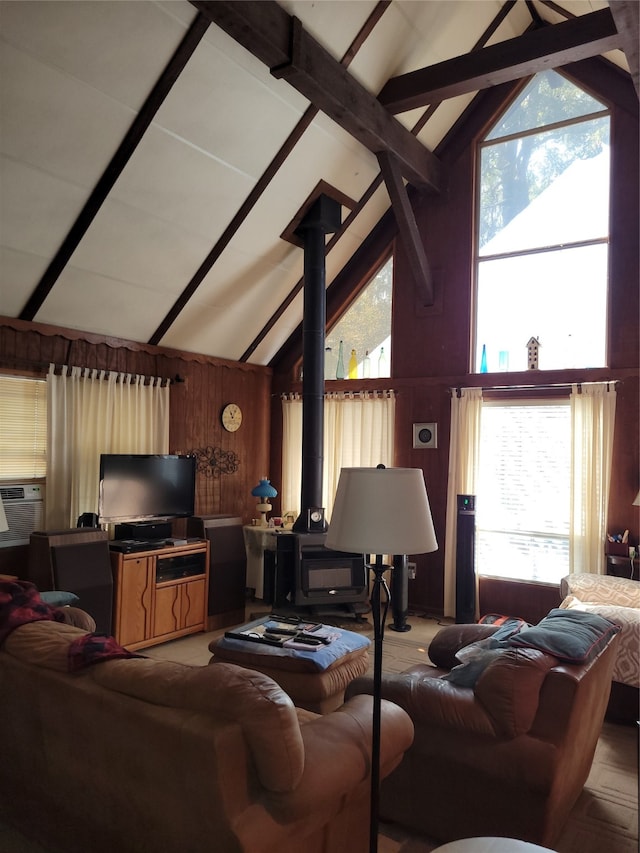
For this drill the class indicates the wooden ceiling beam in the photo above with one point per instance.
(264, 29)
(538, 50)
(407, 227)
(626, 14)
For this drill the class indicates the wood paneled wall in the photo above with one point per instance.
(201, 386)
(431, 345)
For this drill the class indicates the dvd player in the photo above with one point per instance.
(129, 546)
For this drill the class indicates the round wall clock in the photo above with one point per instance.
(231, 417)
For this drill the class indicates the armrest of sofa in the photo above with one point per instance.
(337, 763)
(601, 589)
(337, 749)
(447, 642)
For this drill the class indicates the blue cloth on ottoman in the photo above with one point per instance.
(315, 661)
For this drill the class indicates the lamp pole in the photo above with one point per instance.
(379, 616)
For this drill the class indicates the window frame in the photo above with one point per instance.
(557, 397)
(482, 142)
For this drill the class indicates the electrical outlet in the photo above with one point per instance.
(411, 571)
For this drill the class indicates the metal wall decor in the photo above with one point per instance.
(214, 461)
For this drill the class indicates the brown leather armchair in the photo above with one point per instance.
(508, 756)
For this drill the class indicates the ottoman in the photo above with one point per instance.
(315, 680)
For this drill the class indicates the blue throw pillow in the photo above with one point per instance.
(57, 598)
(572, 636)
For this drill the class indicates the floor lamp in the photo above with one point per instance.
(380, 511)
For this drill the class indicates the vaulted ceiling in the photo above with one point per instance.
(157, 156)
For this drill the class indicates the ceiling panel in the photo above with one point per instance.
(117, 48)
(172, 180)
(214, 87)
(104, 306)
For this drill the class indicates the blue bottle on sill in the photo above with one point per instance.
(483, 360)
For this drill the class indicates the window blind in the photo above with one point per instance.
(23, 428)
(523, 493)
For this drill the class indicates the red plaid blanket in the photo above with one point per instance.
(20, 603)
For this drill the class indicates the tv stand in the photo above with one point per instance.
(160, 593)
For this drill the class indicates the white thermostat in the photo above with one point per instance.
(425, 436)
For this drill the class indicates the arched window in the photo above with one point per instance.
(543, 230)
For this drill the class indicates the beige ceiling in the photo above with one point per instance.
(73, 77)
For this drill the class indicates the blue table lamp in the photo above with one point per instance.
(264, 490)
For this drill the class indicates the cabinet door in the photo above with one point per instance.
(167, 615)
(194, 604)
(179, 607)
(135, 594)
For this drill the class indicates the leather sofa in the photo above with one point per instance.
(135, 754)
(506, 756)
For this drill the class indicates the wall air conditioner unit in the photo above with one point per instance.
(24, 508)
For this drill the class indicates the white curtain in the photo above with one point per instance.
(91, 412)
(464, 457)
(593, 410)
(358, 432)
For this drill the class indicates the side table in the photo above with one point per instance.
(257, 540)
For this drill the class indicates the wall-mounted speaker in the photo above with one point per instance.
(425, 436)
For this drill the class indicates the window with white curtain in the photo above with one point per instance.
(23, 428)
(358, 433)
(92, 412)
(541, 471)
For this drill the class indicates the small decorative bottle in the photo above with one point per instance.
(382, 364)
(353, 365)
(483, 360)
(366, 366)
(340, 365)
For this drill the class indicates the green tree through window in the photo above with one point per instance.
(543, 229)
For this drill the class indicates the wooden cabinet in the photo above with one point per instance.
(160, 594)
(623, 567)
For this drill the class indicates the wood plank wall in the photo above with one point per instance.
(205, 386)
(431, 345)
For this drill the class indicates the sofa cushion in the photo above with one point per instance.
(43, 643)
(571, 636)
(265, 713)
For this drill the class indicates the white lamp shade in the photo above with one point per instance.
(3, 518)
(637, 500)
(381, 511)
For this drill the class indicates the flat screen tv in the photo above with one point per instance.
(141, 487)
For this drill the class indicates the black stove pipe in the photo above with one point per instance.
(322, 218)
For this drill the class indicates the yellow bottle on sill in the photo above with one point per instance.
(353, 365)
